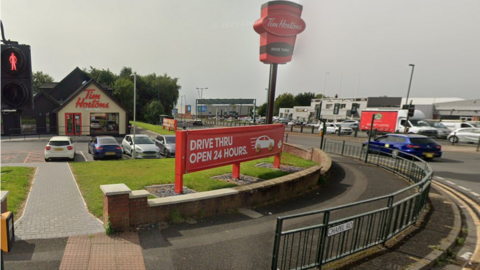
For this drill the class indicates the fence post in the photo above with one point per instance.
(343, 147)
(276, 244)
(321, 248)
(388, 221)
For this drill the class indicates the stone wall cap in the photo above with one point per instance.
(115, 189)
(135, 194)
(4, 195)
(192, 197)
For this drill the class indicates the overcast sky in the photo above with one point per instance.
(366, 46)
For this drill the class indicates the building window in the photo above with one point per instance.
(343, 106)
(328, 106)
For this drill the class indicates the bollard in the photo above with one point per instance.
(291, 128)
(313, 128)
(339, 130)
(356, 132)
(301, 129)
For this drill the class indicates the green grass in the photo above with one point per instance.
(137, 174)
(16, 180)
(154, 128)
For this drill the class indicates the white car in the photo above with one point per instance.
(334, 129)
(264, 142)
(60, 147)
(144, 146)
(468, 135)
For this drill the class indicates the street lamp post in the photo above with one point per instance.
(200, 89)
(408, 94)
(266, 111)
(325, 84)
(134, 111)
(410, 84)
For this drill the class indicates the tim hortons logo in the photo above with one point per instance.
(283, 24)
(91, 100)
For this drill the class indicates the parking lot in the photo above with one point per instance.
(20, 151)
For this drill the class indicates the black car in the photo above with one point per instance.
(197, 123)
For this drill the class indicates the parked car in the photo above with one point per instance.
(197, 123)
(59, 147)
(467, 135)
(397, 144)
(353, 124)
(144, 146)
(166, 143)
(104, 147)
(95, 124)
(334, 128)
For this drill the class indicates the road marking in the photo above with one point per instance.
(464, 188)
(450, 182)
(441, 178)
(81, 152)
(25, 161)
(475, 194)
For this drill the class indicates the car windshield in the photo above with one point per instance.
(421, 140)
(107, 141)
(169, 139)
(143, 140)
(59, 143)
(419, 123)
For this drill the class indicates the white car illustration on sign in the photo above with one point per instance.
(264, 142)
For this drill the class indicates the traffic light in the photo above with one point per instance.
(17, 84)
(411, 110)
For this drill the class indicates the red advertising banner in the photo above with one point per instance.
(209, 148)
(385, 121)
(170, 124)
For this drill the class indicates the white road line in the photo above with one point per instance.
(450, 182)
(438, 177)
(475, 194)
(81, 152)
(464, 188)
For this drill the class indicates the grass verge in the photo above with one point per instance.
(17, 181)
(154, 128)
(137, 174)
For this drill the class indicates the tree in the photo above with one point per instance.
(285, 100)
(124, 92)
(102, 76)
(39, 78)
(304, 99)
(152, 111)
(262, 110)
(320, 96)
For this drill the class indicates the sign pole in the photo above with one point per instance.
(369, 138)
(271, 92)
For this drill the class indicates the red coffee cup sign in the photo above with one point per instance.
(278, 28)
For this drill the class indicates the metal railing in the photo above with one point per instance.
(312, 239)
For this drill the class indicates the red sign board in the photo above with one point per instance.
(278, 28)
(170, 124)
(209, 148)
(385, 121)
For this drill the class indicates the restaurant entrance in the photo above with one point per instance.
(73, 124)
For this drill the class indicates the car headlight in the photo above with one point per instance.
(138, 149)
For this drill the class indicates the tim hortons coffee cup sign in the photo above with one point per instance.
(278, 28)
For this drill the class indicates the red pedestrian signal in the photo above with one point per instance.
(17, 84)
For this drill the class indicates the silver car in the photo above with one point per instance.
(144, 146)
(467, 135)
(166, 143)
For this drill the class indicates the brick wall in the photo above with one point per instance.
(127, 210)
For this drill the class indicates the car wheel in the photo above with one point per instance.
(47, 160)
(453, 139)
(166, 153)
(89, 150)
(349, 133)
(395, 153)
(95, 157)
(257, 148)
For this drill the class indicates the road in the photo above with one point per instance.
(459, 166)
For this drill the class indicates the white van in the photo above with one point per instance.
(456, 125)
